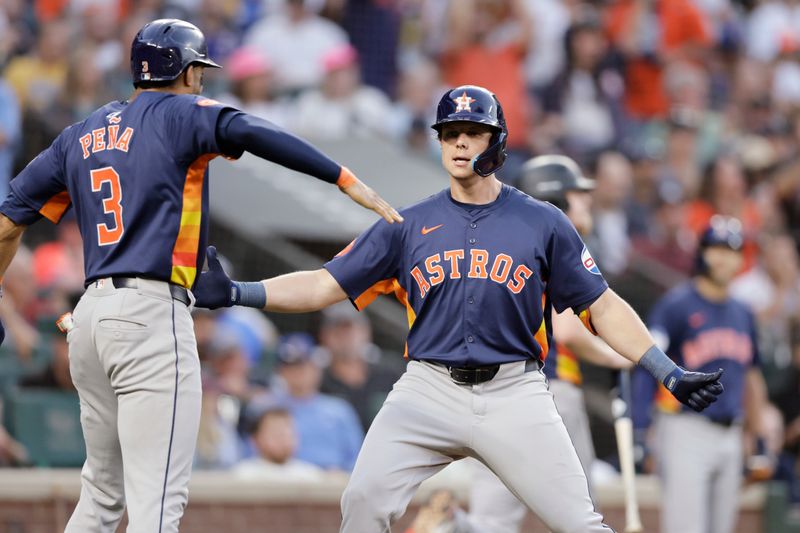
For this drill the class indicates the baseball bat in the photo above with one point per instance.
(623, 427)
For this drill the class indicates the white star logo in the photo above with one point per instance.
(463, 102)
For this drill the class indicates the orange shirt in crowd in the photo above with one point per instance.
(499, 69)
(682, 23)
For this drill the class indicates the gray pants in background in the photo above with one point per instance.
(133, 359)
(700, 464)
(509, 423)
(492, 507)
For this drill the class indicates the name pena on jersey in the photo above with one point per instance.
(107, 138)
(499, 272)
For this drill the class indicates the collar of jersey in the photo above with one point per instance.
(483, 209)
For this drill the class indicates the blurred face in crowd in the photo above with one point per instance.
(730, 188)
(342, 82)
(302, 378)
(723, 264)
(614, 180)
(462, 141)
(275, 438)
(779, 256)
(580, 210)
(53, 41)
(588, 47)
(256, 88)
(346, 339)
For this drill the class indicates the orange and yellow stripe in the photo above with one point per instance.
(184, 254)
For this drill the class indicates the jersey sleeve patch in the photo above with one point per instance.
(589, 262)
(206, 102)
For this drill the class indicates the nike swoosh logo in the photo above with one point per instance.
(425, 230)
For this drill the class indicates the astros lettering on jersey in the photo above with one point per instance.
(477, 287)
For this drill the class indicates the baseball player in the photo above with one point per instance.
(136, 173)
(701, 327)
(492, 507)
(478, 266)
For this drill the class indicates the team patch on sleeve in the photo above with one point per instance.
(588, 262)
(205, 102)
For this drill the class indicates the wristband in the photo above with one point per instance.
(346, 178)
(249, 294)
(661, 367)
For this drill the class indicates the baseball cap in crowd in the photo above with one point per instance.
(341, 314)
(296, 348)
(339, 57)
(246, 62)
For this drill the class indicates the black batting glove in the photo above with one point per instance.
(698, 390)
(214, 289)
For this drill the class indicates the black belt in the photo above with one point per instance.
(724, 421)
(473, 376)
(178, 293)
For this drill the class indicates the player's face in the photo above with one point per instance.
(723, 264)
(580, 210)
(461, 142)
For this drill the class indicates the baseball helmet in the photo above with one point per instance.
(549, 177)
(163, 48)
(722, 231)
(470, 103)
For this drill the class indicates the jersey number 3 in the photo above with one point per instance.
(111, 205)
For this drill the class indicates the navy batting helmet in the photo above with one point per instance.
(163, 48)
(721, 231)
(549, 177)
(470, 103)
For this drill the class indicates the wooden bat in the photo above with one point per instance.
(623, 427)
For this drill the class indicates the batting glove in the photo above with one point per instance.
(698, 390)
(215, 289)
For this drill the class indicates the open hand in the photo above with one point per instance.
(364, 196)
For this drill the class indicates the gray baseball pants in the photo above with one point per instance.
(492, 507)
(700, 464)
(509, 423)
(133, 359)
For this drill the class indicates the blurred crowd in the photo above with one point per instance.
(680, 109)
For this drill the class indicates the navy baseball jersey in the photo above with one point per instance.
(136, 175)
(477, 281)
(701, 336)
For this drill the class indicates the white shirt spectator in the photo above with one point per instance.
(546, 54)
(258, 468)
(296, 48)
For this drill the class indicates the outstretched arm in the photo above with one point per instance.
(619, 325)
(298, 292)
(239, 132)
(10, 235)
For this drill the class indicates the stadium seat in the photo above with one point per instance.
(47, 423)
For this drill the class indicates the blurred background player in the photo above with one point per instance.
(700, 326)
(492, 507)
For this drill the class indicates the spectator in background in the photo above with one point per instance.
(486, 45)
(296, 40)
(59, 263)
(55, 375)
(610, 243)
(668, 241)
(19, 307)
(420, 88)
(652, 35)
(354, 372)
(275, 441)
(343, 107)
(252, 86)
(724, 191)
(10, 134)
(38, 78)
(328, 427)
(772, 290)
(584, 99)
(546, 51)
